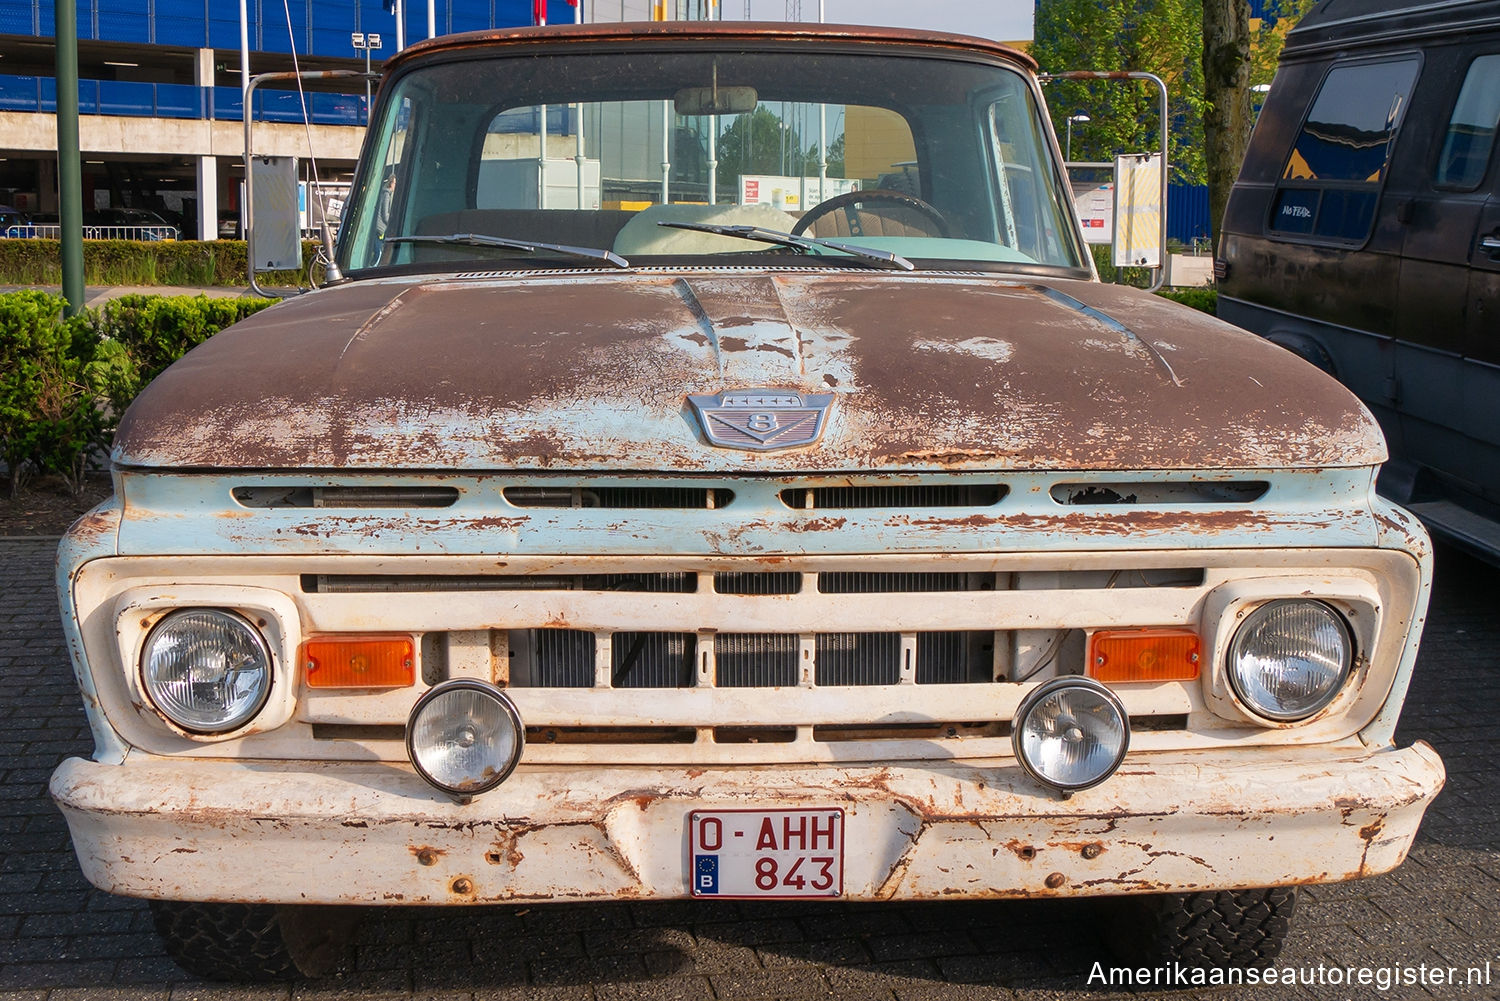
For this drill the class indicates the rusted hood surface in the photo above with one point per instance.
(592, 372)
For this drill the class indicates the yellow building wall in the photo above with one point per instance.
(875, 140)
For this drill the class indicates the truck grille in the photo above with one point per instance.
(763, 662)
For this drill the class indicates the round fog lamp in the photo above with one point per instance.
(205, 669)
(1071, 733)
(464, 737)
(1290, 658)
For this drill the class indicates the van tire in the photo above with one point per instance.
(252, 943)
(1231, 928)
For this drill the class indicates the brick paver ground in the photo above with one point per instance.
(61, 940)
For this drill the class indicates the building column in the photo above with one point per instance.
(46, 185)
(208, 166)
(208, 197)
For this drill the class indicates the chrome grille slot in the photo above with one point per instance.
(551, 658)
(755, 734)
(895, 496)
(911, 731)
(860, 582)
(611, 735)
(356, 731)
(757, 583)
(619, 498)
(859, 658)
(955, 658)
(344, 497)
(756, 660)
(1115, 579)
(657, 583)
(652, 660)
(1166, 493)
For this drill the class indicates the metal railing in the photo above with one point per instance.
(53, 231)
(177, 100)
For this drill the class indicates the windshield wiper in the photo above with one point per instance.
(526, 246)
(805, 244)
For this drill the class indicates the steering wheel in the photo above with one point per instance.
(848, 201)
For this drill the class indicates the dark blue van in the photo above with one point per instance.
(1364, 234)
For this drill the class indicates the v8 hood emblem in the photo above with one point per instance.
(762, 419)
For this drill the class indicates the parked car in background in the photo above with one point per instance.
(1364, 235)
(12, 217)
(609, 534)
(128, 224)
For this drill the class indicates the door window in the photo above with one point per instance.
(1471, 130)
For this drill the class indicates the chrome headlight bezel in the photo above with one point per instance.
(509, 714)
(154, 686)
(1108, 700)
(1244, 693)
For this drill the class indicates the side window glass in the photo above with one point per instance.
(380, 204)
(1471, 130)
(1331, 181)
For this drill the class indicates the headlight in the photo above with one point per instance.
(464, 737)
(1290, 658)
(1071, 733)
(207, 670)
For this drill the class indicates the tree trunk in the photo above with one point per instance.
(1226, 92)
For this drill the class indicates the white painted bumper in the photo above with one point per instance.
(294, 832)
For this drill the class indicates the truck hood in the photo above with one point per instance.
(593, 371)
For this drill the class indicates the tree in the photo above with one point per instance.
(755, 144)
(1155, 36)
(1270, 36)
(1235, 58)
(1226, 98)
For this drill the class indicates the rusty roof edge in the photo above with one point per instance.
(659, 32)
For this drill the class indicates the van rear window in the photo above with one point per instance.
(1334, 171)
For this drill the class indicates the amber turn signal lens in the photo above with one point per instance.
(359, 661)
(1144, 655)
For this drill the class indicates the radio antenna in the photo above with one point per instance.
(330, 268)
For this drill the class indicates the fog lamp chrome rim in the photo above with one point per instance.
(1251, 689)
(192, 655)
(1048, 722)
(469, 720)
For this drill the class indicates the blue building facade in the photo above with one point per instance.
(159, 88)
(318, 29)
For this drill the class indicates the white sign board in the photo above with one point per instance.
(794, 194)
(1094, 201)
(1138, 210)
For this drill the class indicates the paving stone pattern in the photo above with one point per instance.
(61, 940)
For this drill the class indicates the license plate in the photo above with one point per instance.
(761, 854)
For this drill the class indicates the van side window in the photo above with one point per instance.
(1332, 177)
(1471, 130)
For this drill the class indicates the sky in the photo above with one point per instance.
(1006, 20)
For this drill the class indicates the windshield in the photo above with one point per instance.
(933, 160)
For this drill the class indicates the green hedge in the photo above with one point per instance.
(1205, 299)
(135, 262)
(64, 381)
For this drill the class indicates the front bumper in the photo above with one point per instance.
(343, 833)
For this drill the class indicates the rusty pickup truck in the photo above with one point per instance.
(717, 472)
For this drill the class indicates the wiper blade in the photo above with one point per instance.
(877, 258)
(526, 246)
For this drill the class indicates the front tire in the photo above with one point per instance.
(252, 943)
(1230, 928)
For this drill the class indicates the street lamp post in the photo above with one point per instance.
(1080, 119)
(368, 43)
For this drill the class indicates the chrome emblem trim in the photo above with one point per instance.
(762, 419)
